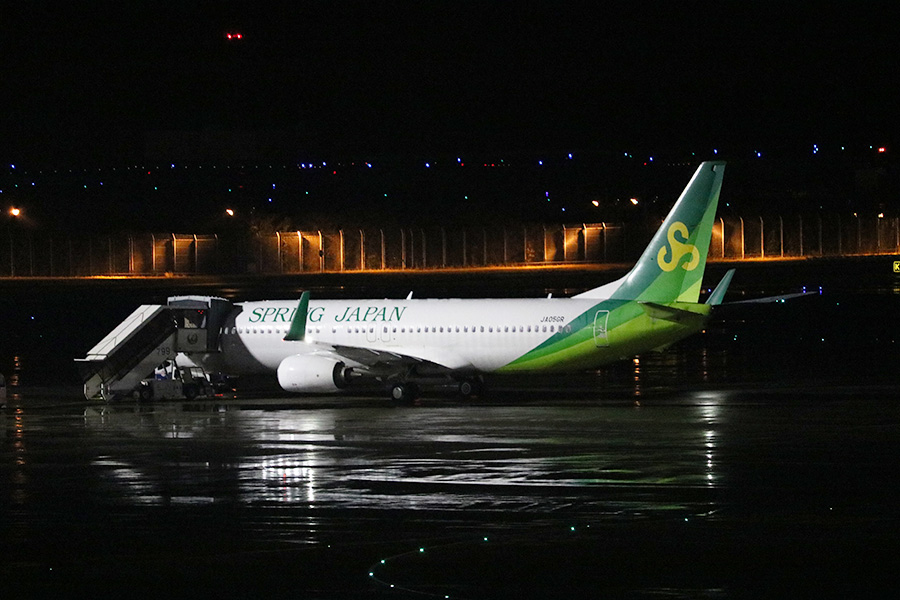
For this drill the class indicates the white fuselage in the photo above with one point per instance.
(481, 335)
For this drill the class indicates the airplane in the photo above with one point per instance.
(326, 346)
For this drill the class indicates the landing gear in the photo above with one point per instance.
(470, 388)
(404, 392)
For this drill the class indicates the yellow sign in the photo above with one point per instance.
(897, 266)
(678, 250)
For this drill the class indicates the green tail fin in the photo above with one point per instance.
(671, 268)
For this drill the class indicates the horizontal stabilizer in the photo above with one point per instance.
(719, 293)
(771, 299)
(671, 313)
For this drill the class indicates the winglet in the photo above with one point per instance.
(719, 293)
(297, 331)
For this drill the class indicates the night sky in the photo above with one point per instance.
(97, 80)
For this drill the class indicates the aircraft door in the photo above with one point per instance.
(601, 339)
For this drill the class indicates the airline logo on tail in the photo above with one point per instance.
(678, 250)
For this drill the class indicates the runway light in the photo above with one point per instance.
(15, 212)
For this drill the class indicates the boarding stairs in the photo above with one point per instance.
(147, 338)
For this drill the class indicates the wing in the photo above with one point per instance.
(373, 361)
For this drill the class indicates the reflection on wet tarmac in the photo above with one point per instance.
(247, 485)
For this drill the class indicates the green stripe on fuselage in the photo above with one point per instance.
(630, 330)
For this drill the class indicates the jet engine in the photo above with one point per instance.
(311, 373)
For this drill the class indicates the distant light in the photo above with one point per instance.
(880, 215)
(882, 149)
(427, 165)
(715, 150)
(541, 163)
(13, 166)
(595, 203)
(15, 212)
(634, 201)
(459, 160)
(651, 159)
(229, 212)
(570, 155)
(758, 154)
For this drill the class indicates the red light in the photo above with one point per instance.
(882, 149)
(228, 35)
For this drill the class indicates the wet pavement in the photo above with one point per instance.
(706, 493)
(757, 460)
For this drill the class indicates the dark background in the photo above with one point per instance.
(103, 78)
(144, 116)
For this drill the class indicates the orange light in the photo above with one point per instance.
(229, 212)
(15, 212)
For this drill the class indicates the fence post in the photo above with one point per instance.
(277, 251)
(362, 250)
(299, 252)
(505, 255)
(781, 233)
(722, 221)
(464, 242)
(762, 238)
(819, 223)
(424, 248)
(605, 241)
(544, 229)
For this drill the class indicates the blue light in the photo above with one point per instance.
(541, 163)
(715, 150)
(570, 155)
(427, 165)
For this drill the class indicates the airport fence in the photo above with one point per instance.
(37, 254)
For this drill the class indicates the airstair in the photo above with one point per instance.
(151, 336)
